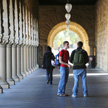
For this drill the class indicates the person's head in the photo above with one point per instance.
(48, 48)
(66, 44)
(80, 44)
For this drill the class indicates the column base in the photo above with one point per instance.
(30, 72)
(26, 73)
(16, 79)
(1, 90)
(37, 66)
(20, 76)
(5, 86)
(23, 74)
(11, 82)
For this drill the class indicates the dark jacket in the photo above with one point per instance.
(85, 57)
(48, 56)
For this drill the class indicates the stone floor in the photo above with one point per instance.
(33, 92)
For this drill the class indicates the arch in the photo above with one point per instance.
(78, 29)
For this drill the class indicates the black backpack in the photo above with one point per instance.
(62, 58)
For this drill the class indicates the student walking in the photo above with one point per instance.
(79, 58)
(64, 70)
(48, 56)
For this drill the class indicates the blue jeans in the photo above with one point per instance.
(64, 73)
(49, 75)
(77, 73)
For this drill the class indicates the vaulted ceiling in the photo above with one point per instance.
(63, 2)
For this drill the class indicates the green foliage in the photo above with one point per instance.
(70, 36)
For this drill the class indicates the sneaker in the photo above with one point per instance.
(62, 95)
(74, 95)
(85, 95)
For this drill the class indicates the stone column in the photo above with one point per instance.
(22, 61)
(24, 42)
(28, 63)
(19, 62)
(36, 57)
(0, 22)
(18, 39)
(3, 79)
(25, 60)
(92, 50)
(20, 42)
(16, 42)
(4, 41)
(29, 41)
(14, 63)
(9, 64)
(1, 90)
(30, 59)
(9, 46)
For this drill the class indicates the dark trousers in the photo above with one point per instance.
(49, 75)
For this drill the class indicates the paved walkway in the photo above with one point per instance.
(33, 92)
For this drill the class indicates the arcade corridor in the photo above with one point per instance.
(33, 92)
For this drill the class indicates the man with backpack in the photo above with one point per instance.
(64, 70)
(79, 58)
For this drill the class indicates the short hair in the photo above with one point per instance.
(48, 48)
(80, 44)
(65, 42)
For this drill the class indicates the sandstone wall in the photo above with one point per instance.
(101, 34)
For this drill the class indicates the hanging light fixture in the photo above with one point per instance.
(68, 7)
(67, 22)
(68, 16)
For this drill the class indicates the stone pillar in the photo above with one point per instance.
(36, 57)
(27, 52)
(20, 41)
(29, 41)
(14, 63)
(30, 50)
(16, 42)
(25, 60)
(1, 90)
(92, 50)
(9, 64)
(4, 41)
(32, 58)
(22, 61)
(0, 21)
(9, 46)
(28, 59)
(3, 81)
(19, 62)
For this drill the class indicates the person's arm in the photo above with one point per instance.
(53, 58)
(86, 57)
(72, 56)
(60, 60)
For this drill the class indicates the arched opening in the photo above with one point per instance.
(62, 36)
(78, 29)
